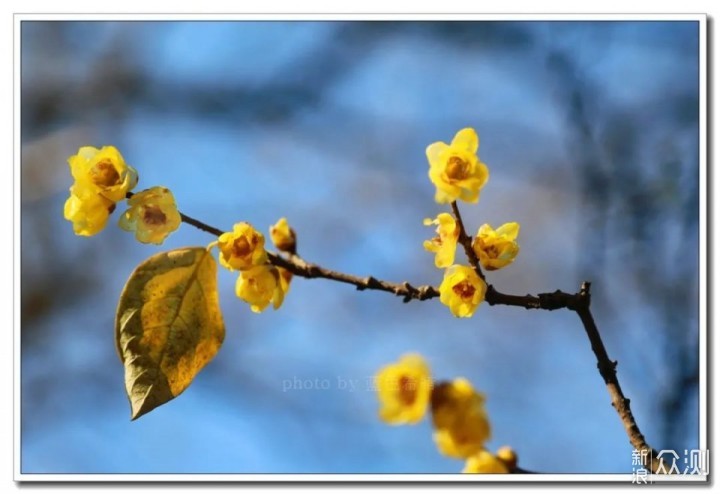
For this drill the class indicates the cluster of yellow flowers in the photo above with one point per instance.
(243, 249)
(102, 179)
(405, 390)
(457, 173)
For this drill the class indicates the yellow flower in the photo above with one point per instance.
(485, 462)
(261, 285)
(87, 210)
(242, 248)
(459, 417)
(455, 169)
(282, 236)
(285, 278)
(404, 390)
(152, 215)
(496, 248)
(444, 245)
(462, 290)
(103, 170)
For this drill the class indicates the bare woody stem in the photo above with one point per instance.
(578, 303)
(298, 266)
(200, 225)
(606, 367)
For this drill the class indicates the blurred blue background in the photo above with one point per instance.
(589, 129)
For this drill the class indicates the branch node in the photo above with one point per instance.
(585, 288)
(607, 369)
(372, 282)
(425, 292)
(584, 295)
(551, 301)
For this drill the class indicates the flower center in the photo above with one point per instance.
(461, 437)
(457, 168)
(104, 174)
(241, 247)
(492, 252)
(464, 290)
(407, 391)
(153, 215)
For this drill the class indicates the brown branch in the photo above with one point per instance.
(200, 225)
(466, 241)
(546, 301)
(298, 266)
(579, 303)
(606, 367)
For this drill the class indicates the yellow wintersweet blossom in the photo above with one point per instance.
(152, 215)
(445, 244)
(104, 171)
(282, 236)
(404, 390)
(459, 416)
(260, 286)
(455, 169)
(496, 248)
(462, 290)
(87, 210)
(485, 462)
(243, 248)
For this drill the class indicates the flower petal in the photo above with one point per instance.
(509, 230)
(434, 153)
(403, 390)
(466, 140)
(87, 152)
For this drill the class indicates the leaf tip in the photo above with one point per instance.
(138, 409)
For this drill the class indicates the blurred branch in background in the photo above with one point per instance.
(116, 82)
(43, 258)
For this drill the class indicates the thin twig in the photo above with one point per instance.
(466, 242)
(579, 303)
(607, 367)
(200, 225)
(298, 266)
